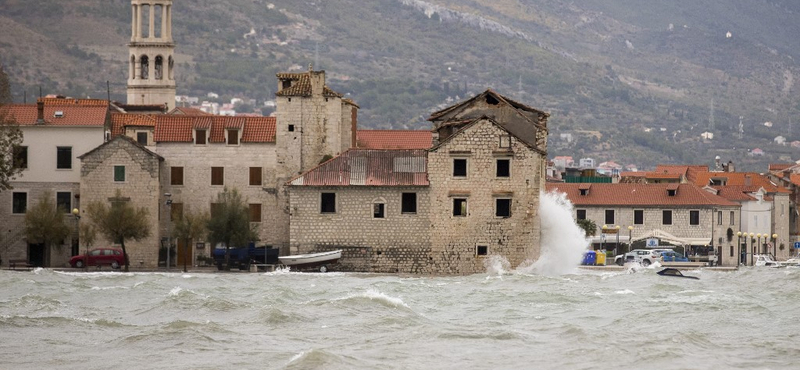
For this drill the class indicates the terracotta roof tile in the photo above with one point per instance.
(259, 130)
(738, 179)
(394, 139)
(179, 128)
(70, 115)
(187, 111)
(645, 195)
(121, 120)
(370, 167)
(173, 129)
(301, 85)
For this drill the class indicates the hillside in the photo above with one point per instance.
(648, 76)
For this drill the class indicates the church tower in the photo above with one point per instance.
(151, 76)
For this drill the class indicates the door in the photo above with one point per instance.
(184, 253)
(36, 255)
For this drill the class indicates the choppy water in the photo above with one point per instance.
(548, 315)
(586, 320)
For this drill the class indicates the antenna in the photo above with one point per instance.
(108, 91)
(316, 55)
(711, 116)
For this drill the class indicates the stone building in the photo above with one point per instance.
(125, 165)
(204, 154)
(474, 194)
(692, 215)
(55, 132)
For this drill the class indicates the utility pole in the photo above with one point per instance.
(169, 224)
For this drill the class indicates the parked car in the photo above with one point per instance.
(672, 256)
(98, 257)
(643, 256)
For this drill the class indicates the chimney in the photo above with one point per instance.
(730, 167)
(748, 180)
(39, 112)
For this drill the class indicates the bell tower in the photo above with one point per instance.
(151, 75)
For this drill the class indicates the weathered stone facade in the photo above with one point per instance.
(140, 187)
(455, 239)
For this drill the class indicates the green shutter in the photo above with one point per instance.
(119, 173)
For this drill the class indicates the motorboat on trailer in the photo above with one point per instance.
(675, 273)
(321, 261)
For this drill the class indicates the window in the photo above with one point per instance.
(19, 203)
(176, 175)
(291, 128)
(731, 251)
(505, 141)
(694, 217)
(141, 138)
(217, 175)
(502, 207)
(378, 210)
(719, 217)
(409, 203)
(233, 137)
(503, 168)
(580, 214)
(200, 137)
(638, 217)
(64, 201)
(20, 157)
(666, 217)
(609, 216)
(481, 250)
(119, 173)
(671, 192)
(255, 212)
(459, 207)
(328, 203)
(460, 167)
(733, 220)
(255, 176)
(64, 157)
(176, 211)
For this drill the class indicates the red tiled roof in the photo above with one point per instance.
(652, 195)
(370, 167)
(120, 120)
(779, 166)
(394, 139)
(178, 128)
(795, 178)
(738, 179)
(70, 101)
(188, 111)
(72, 115)
(688, 171)
(633, 174)
(736, 193)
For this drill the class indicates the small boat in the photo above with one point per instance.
(676, 273)
(766, 260)
(312, 260)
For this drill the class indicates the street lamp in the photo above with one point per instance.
(739, 244)
(169, 224)
(758, 248)
(775, 245)
(630, 238)
(603, 238)
(752, 258)
(618, 248)
(77, 213)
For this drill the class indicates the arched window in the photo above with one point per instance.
(133, 67)
(169, 68)
(159, 67)
(145, 62)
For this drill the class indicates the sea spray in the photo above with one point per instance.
(563, 242)
(497, 265)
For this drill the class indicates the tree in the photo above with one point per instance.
(45, 224)
(588, 226)
(10, 137)
(230, 223)
(120, 221)
(190, 226)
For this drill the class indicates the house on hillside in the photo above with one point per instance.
(474, 194)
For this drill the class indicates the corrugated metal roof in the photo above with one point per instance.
(370, 167)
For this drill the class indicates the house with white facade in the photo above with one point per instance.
(55, 132)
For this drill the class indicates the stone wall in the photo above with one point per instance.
(141, 186)
(454, 239)
(397, 243)
(13, 242)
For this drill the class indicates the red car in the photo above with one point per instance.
(99, 257)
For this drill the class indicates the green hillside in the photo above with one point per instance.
(632, 81)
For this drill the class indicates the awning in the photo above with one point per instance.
(610, 238)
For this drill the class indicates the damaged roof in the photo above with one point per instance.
(369, 167)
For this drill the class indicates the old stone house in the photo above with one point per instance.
(694, 216)
(201, 155)
(474, 194)
(55, 132)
